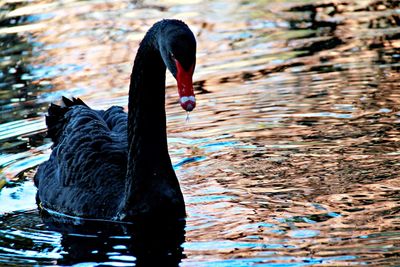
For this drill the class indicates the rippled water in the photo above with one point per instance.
(291, 157)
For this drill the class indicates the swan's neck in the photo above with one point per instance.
(147, 136)
(150, 176)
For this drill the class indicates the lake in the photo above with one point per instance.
(291, 157)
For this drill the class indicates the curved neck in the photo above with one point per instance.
(147, 136)
(150, 175)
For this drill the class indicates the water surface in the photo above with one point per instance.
(291, 157)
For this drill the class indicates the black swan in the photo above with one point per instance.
(106, 164)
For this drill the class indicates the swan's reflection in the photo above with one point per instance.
(145, 243)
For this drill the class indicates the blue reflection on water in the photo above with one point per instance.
(46, 72)
(21, 197)
(225, 244)
(272, 262)
(304, 233)
(188, 160)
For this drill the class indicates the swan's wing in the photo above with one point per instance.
(89, 152)
(116, 120)
(88, 147)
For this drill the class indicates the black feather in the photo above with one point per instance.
(102, 166)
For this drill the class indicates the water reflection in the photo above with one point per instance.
(146, 243)
(18, 83)
(114, 244)
(291, 157)
(16, 79)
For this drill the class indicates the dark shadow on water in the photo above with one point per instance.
(145, 243)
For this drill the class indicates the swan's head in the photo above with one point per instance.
(178, 50)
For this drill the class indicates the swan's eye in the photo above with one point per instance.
(172, 55)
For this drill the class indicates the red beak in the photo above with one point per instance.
(185, 87)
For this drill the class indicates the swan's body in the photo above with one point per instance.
(113, 165)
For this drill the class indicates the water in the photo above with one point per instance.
(291, 157)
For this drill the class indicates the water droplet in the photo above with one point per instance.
(187, 116)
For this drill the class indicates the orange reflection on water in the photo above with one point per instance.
(291, 155)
